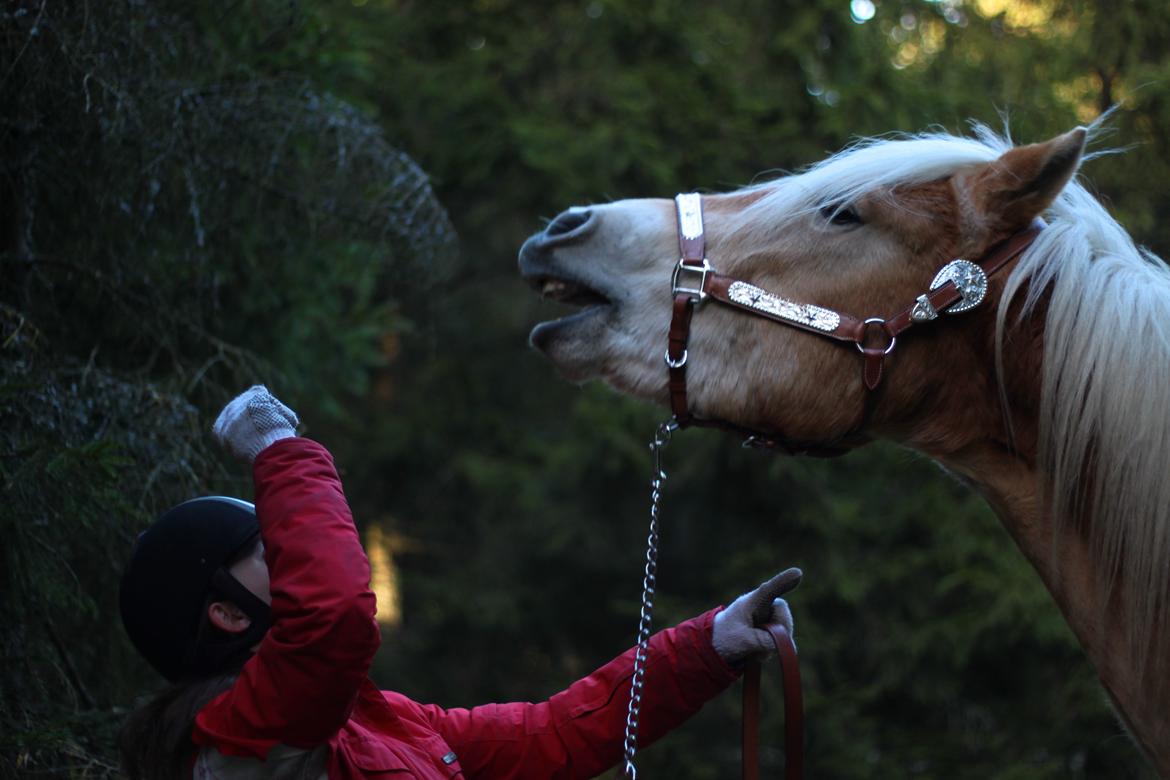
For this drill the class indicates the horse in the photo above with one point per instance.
(1048, 394)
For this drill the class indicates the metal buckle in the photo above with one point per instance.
(757, 442)
(695, 292)
(968, 278)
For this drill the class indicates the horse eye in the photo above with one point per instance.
(840, 215)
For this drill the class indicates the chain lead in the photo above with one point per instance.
(661, 439)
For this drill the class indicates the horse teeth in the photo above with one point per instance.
(553, 288)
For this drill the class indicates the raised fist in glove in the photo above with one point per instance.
(735, 635)
(251, 421)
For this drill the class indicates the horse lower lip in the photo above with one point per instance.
(588, 310)
(545, 331)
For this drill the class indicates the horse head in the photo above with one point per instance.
(863, 233)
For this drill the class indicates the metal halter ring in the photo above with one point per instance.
(682, 361)
(879, 321)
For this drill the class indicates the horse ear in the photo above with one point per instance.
(1008, 193)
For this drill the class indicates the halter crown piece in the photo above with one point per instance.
(959, 286)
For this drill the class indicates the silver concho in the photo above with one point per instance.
(968, 278)
(804, 313)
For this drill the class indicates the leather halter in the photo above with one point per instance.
(959, 285)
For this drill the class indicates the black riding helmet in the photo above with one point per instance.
(177, 567)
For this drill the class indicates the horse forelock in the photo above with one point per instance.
(868, 165)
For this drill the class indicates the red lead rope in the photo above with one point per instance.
(793, 710)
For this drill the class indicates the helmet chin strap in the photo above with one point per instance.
(214, 653)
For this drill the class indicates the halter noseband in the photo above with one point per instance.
(959, 285)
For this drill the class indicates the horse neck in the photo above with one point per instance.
(1007, 476)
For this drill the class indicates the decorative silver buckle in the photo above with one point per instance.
(969, 279)
(695, 292)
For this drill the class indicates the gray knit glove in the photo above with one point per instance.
(735, 636)
(253, 420)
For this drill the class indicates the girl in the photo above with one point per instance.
(263, 620)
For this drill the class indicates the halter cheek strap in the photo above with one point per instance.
(959, 285)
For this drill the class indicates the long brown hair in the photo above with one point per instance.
(155, 741)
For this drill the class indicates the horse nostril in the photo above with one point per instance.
(567, 222)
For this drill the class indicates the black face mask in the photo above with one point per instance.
(218, 652)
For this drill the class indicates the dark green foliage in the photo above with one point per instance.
(83, 455)
(179, 221)
(199, 196)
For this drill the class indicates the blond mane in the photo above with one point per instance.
(1104, 427)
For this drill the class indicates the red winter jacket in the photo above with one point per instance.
(305, 691)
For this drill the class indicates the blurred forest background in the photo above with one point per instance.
(328, 198)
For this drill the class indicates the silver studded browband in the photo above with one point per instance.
(752, 297)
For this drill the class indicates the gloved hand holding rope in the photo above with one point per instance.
(736, 635)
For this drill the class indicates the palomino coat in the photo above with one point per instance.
(303, 701)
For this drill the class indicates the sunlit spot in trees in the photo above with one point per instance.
(383, 575)
(1083, 93)
(862, 10)
(1017, 13)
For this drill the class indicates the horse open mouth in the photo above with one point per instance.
(591, 303)
(565, 291)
